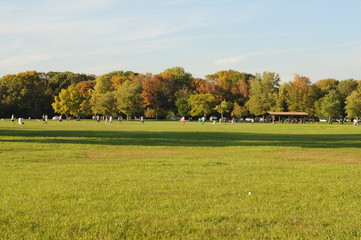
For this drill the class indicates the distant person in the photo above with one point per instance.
(60, 118)
(43, 118)
(46, 118)
(142, 119)
(110, 119)
(203, 120)
(13, 118)
(355, 122)
(183, 121)
(98, 118)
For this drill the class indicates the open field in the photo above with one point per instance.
(84, 180)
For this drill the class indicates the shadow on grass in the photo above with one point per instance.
(196, 139)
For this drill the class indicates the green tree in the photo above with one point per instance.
(281, 99)
(106, 104)
(201, 104)
(264, 90)
(128, 98)
(68, 102)
(179, 76)
(345, 88)
(324, 86)
(329, 106)
(62, 80)
(223, 107)
(353, 105)
(107, 83)
(183, 106)
(24, 94)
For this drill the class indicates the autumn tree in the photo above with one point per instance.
(238, 110)
(231, 85)
(85, 89)
(158, 96)
(199, 85)
(301, 95)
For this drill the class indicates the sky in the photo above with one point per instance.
(315, 38)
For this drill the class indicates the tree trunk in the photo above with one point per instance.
(329, 120)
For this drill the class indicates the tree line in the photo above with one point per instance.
(174, 91)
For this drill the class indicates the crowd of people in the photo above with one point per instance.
(109, 119)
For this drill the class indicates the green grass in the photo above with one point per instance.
(84, 180)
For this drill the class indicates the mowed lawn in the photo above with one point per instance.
(159, 180)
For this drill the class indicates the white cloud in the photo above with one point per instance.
(231, 60)
(16, 61)
(237, 59)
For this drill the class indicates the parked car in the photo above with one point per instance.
(56, 118)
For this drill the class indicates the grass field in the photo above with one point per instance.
(159, 180)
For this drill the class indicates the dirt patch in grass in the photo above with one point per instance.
(321, 156)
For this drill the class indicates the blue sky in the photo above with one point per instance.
(315, 38)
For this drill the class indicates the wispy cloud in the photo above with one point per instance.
(231, 60)
(15, 61)
(94, 34)
(237, 59)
